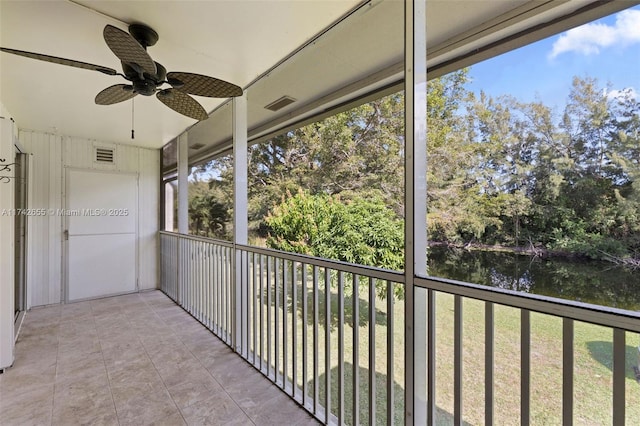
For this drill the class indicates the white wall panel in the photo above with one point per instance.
(44, 280)
(148, 219)
(51, 155)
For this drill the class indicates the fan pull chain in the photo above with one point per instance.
(132, 116)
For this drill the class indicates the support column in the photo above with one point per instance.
(416, 412)
(183, 184)
(7, 244)
(240, 214)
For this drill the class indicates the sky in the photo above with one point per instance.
(607, 49)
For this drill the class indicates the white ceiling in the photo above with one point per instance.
(231, 40)
(240, 41)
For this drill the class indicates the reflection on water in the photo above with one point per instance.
(601, 283)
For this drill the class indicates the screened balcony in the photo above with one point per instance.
(197, 330)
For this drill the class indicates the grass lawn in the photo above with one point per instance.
(592, 359)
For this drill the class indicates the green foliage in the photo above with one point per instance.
(500, 171)
(591, 245)
(208, 216)
(355, 230)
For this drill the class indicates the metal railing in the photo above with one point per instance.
(331, 334)
(197, 274)
(325, 332)
(617, 321)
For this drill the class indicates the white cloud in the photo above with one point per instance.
(590, 38)
(629, 92)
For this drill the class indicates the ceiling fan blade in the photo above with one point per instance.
(61, 61)
(202, 85)
(114, 94)
(182, 103)
(127, 49)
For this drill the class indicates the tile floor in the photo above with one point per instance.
(137, 359)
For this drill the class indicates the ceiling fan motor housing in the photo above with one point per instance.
(148, 84)
(143, 34)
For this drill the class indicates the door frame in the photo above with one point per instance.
(65, 232)
(21, 254)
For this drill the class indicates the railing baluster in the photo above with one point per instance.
(525, 366)
(239, 255)
(246, 315)
(261, 310)
(189, 280)
(305, 313)
(254, 274)
(488, 363)
(211, 285)
(195, 267)
(285, 335)
(316, 383)
(180, 272)
(276, 285)
(225, 297)
(202, 259)
(230, 296)
(214, 289)
(390, 357)
(200, 267)
(219, 290)
(372, 352)
(431, 358)
(567, 371)
(269, 325)
(327, 343)
(457, 360)
(619, 366)
(340, 347)
(356, 348)
(294, 327)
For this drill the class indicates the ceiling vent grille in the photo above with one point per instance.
(280, 103)
(104, 155)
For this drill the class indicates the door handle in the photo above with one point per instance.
(66, 235)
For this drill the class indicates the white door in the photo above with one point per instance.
(101, 223)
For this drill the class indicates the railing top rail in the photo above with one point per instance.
(198, 238)
(370, 271)
(596, 314)
(601, 315)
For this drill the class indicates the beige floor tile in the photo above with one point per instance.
(145, 408)
(175, 419)
(189, 393)
(281, 410)
(31, 407)
(133, 360)
(84, 401)
(218, 409)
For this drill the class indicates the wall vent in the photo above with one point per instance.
(280, 103)
(104, 155)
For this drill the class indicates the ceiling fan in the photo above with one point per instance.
(146, 76)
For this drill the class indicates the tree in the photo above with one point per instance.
(354, 230)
